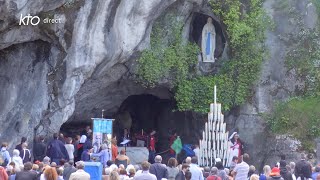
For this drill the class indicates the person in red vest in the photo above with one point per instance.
(152, 146)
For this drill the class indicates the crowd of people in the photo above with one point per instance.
(64, 158)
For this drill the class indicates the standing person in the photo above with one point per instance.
(85, 156)
(172, 169)
(316, 172)
(144, 175)
(5, 158)
(181, 174)
(173, 137)
(195, 170)
(70, 149)
(16, 158)
(275, 174)
(50, 173)
(221, 172)
(241, 170)
(114, 148)
(104, 155)
(152, 146)
(80, 173)
(188, 175)
(78, 146)
(39, 150)
(56, 150)
(68, 170)
(19, 146)
(26, 174)
(158, 169)
(214, 174)
(303, 168)
(3, 174)
(87, 131)
(234, 162)
(61, 138)
(235, 145)
(25, 153)
(196, 150)
(266, 172)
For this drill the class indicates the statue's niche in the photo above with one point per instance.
(197, 35)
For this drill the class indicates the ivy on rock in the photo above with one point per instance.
(174, 60)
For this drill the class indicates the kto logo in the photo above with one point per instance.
(33, 20)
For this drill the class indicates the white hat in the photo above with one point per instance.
(218, 160)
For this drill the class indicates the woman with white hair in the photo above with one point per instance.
(266, 172)
(104, 155)
(16, 158)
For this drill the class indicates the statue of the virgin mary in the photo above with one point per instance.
(208, 43)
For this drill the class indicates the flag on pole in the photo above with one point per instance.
(177, 145)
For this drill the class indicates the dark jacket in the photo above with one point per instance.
(57, 150)
(39, 151)
(24, 175)
(19, 147)
(303, 169)
(25, 154)
(159, 170)
(180, 176)
(85, 156)
(275, 178)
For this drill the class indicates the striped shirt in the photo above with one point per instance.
(242, 170)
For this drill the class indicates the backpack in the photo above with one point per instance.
(3, 160)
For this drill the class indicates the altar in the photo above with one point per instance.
(136, 154)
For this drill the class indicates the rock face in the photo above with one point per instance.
(276, 83)
(51, 73)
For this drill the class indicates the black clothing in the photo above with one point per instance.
(303, 169)
(39, 151)
(180, 176)
(19, 147)
(25, 155)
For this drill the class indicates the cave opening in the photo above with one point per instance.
(197, 23)
(147, 112)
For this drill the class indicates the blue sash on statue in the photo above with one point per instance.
(208, 44)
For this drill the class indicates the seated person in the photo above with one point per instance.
(122, 159)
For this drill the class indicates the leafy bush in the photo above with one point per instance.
(299, 117)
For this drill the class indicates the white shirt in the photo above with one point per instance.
(242, 170)
(196, 173)
(196, 152)
(70, 150)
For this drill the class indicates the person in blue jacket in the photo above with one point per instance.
(56, 150)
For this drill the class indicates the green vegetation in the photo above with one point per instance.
(246, 34)
(299, 117)
(168, 56)
(304, 58)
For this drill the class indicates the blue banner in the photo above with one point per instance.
(102, 125)
(102, 133)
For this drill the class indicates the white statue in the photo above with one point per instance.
(208, 43)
